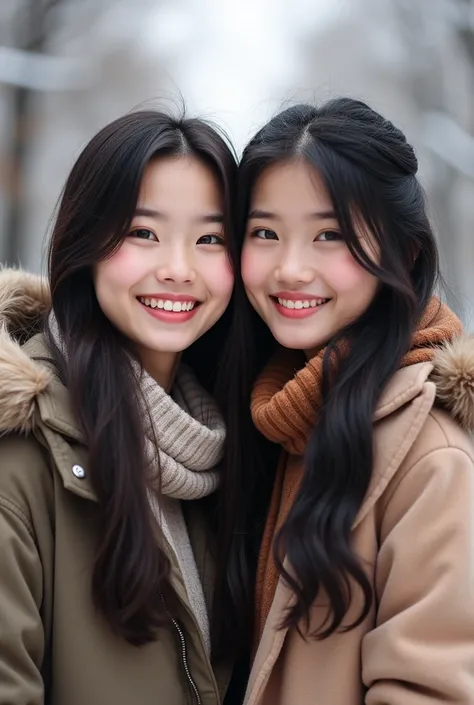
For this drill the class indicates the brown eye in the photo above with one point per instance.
(328, 236)
(264, 234)
(211, 240)
(144, 234)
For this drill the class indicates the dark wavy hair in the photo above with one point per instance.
(94, 215)
(369, 170)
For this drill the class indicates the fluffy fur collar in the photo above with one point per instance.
(24, 300)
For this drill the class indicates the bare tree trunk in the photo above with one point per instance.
(429, 94)
(17, 158)
(32, 24)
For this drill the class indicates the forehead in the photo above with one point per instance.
(184, 182)
(290, 186)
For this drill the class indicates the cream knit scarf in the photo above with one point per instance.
(184, 442)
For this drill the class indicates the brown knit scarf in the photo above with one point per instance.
(285, 403)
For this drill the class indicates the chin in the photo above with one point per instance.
(290, 342)
(296, 343)
(166, 347)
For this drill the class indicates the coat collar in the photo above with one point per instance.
(54, 423)
(53, 403)
(405, 385)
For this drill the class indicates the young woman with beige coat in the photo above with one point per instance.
(362, 382)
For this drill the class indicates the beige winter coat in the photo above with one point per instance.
(415, 533)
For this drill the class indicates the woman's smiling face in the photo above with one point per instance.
(298, 271)
(170, 280)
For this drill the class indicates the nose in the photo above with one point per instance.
(176, 266)
(293, 268)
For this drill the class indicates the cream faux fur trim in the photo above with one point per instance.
(453, 375)
(24, 298)
(22, 381)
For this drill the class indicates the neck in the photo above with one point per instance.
(309, 354)
(161, 366)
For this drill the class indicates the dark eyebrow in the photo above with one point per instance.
(211, 218)
(323, 215)
(151, 213)
(148, 213)
(267, 215)
(257, 213)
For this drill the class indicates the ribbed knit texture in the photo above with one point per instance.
(184, 442)
(190, 434)
(285, 403)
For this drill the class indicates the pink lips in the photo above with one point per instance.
(296, 296)
(170, 316)
(296, 312)
(169, 297)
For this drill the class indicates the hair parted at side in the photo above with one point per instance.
(369, 170)
(94, 215)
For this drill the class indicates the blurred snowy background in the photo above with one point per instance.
(67, 67)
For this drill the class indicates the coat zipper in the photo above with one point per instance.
(184, 658)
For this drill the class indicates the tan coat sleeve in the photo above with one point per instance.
(21, 584)
(422, 649)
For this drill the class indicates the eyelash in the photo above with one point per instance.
(263, 230)
(255, 232)
(330, 232)
(218, 239)
(134, 233)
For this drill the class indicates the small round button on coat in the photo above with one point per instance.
(78, 471)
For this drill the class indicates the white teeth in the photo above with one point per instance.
(168, 305)
(311, 303)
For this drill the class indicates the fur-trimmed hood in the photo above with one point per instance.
(25, 299)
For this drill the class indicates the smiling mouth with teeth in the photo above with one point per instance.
(168, 305)
(299, 304)
(298, 308)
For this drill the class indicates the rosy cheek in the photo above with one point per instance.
(123, 267)
(222, 276)
(227, 280)
(252, 269)
(345, 273)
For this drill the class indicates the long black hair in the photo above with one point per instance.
(369, 170)
(94, 215)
